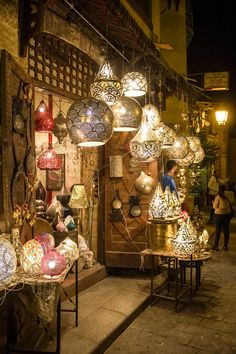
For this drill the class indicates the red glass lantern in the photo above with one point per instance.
(53, 264)
(49, 160)
(46, 241)
(43, 118)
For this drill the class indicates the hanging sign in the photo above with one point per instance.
(216, 81)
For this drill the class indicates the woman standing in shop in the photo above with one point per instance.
(222, 216)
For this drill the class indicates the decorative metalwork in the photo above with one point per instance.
(152, 114)
(199, 156)
(184, 243)
(144, 184)
(145, 146)
(158, 205)
(59, 66)
(90, 122)
(187, 160)
(194, 143)
(127, 114)
(165, 135)
(8, 261)
(106, 86)
(134, 84)
(78, 197)
(179, 149)
(59, 129)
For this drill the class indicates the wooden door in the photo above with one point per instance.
(17, 167)
(125, 239)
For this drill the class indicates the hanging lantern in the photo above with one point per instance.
(31, 256)
(199, 156)
(221, 117)
(165, 135)
(46, 241)
(194, 143)
(90, 122)
(152, 114)
(144, 183)
(43, 118)
(78, 198)
(68, 249)
(53, 264)
(49, 160)
(179, 149)
(106, 86)
(145, 146)
(184, 244)
(8, 261)
(59, 129)
(134, 84)
(158, 205)
(187, 160)
(127, 114)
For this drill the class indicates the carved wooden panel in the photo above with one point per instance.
(125, 239)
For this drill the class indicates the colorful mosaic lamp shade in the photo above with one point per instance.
(53, 264)
(165, 135)
(31, 256)
(68, 248)
(90, 122)
(145, 146)
(43, 118)
(8, 261)
(134, 84)
(46, 241)
(59, 129)
(49, 159)
(127, 114)
(152, 114)
(179, 149)
(199, 156)
(106, 86)
(78, 198)
(184, 244)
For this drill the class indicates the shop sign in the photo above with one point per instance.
(216, 81)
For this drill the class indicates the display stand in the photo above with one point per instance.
(175, 288)
(55, 283)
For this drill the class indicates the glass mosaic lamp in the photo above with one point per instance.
(68, 248)
(49, 159)
(199, 156)
(31, 256)
(165, 135)
(145, 146)
(134, 84)
(90, 122)
(106, 86)
(46, 241)
(43, 118)
(127, 114)
(8, 261)
(53, 264)
(152, 114)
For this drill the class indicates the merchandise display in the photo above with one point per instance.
(68, 249)
(8, 261)
(184, 243)
(46, 241)
(53, 264)
(31, 256)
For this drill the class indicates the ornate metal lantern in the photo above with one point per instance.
(199, 156)
(134, 84)
(179, 149)
(59, 129)
(158, 207)
(43, 118)
(187, 160)
(152, 114)
(194, 143)
(165, 135)
(127, 114)
(90, 122)
(144, 183)
(184, 244)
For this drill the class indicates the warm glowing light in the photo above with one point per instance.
(134, 84)
(221, 117)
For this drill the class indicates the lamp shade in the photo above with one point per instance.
(59, 129)
(31, 256)
(152, 114)
(184, 243)
(199, 156)
(43, 118)
(221, 117)
(134, 84)
(179, 149)
(127, 114)
(90, 122)
(145, 146)
(8, 261)
(78, 198)
(106, 86)
(187, 160)
(165, 135)
(53, 263)
(49, 159)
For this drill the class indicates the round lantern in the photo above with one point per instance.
(199, 156)
(43, 118)
(179, 149)
(46, 241)
(68, 249)
(31, 256)
(127, 114)
(90, 122)
(144, 183)
(53, 264)
(134, 84)
(165, 135)
(59, 129)
(187, 160)
(152, 114)
(8, 261)
(106, 86)
(194, 143)
(49, 160)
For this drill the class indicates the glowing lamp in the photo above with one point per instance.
(49, 159)
(179, 149)
(184, 244)
(152, 114)
(127, 114)
(134, 84)
(43, 118)
(53, 264)
(8, 261)
(165, 135)
(221, 117)
(31, 256)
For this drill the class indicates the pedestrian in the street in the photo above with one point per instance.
(168, 177)
(222, 217)
(213, 188)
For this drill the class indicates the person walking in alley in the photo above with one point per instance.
(168, 177)
(213, 187)
(222, 216)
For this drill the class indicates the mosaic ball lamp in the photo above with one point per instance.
(8, 261)
(145, 146)
(90, 122)
(199, 156)
(53, 264)
(194, 143)
(187, 160)
(134, 84)
(127, 114)
(68, 248)
(59, 129)
(183, 244)
(165, 135)
(43, 119)
(31, 256)
(152, 114)
(158, 206)
(46, 241)
(179, 149)
(106, 86)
